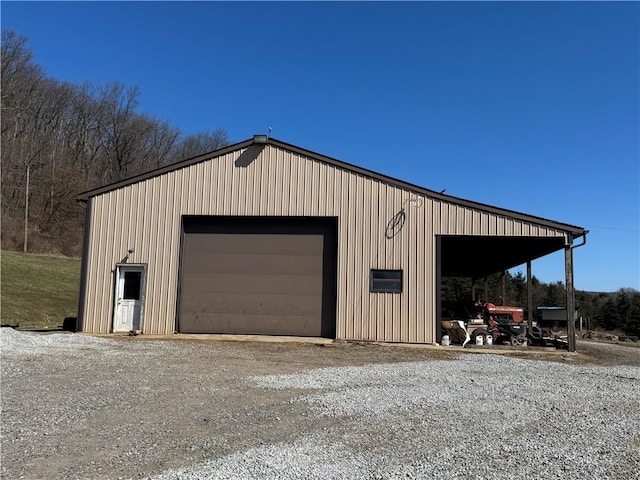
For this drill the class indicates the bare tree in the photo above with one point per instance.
(71, 138)
(201, 143)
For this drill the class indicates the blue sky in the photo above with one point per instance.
(529, 106)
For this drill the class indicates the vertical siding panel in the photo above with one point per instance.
(93, 267)
(299, 186)
(314, 201)
(502, 226)
(172, 252)
(147, 243)
(412, 267)
(446, 212)
(196, 188)
(366, 241)
(140, 206)
(389, 322)
(222, 189)
(108, 257)
(383, 261)
(398, 299)
(253, 176)
(374, 235)
(172, 249)
(89, 254)
(323, 193)
(341, 329)
(256, 175)
(206, 188)
(304, 178)
(104, 276)
(359, 241)
(243, 205)
(431, 266)
(422, 273)
(119, 227)
(101, 322)
(508, 227)
(307, 207)
(296, 189)
(409, 250)
(232, 187)
(160, 306)
(270, 182)
(307, 181)
(381, 313)
(187, 185)
(285, 173)
(90, 298)
(153, 284)
(347, 199)
(328, 207)
(457, 213)
(343, 254)
(164, 219)
(231, 193)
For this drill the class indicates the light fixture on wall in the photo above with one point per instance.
(126, 258)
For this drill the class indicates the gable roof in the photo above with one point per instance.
(572, 230)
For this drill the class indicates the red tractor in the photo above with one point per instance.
(505, 324)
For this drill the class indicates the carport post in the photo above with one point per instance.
(571, 298)
(529, 299)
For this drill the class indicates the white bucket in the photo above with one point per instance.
(445, 340)
(489, 340)
(479, 340)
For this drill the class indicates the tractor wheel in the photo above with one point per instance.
(535, 337)
(516, 341)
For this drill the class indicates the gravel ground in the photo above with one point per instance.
(83, 407)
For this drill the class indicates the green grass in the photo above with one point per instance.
(38, 291)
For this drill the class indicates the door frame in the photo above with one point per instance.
(117, 273)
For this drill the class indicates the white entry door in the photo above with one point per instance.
(128, 302)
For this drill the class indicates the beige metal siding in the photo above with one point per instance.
(147, 216)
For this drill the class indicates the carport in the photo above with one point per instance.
(477, 257)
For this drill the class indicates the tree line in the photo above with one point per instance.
(59, 139)
(609, 311)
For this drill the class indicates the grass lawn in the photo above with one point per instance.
(38, 291)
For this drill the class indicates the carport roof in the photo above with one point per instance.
(473, 256)
(480, 256)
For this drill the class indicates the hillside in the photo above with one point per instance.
(38, 291)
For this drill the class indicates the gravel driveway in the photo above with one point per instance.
(82, 407)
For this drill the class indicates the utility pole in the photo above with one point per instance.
(26, 213)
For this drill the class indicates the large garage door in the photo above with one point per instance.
(257, 276)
